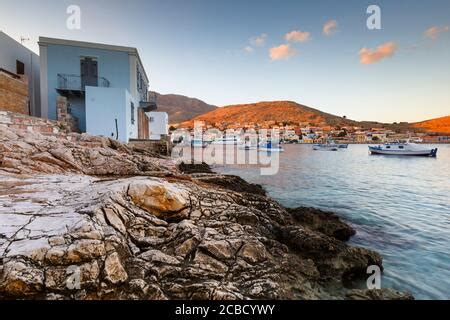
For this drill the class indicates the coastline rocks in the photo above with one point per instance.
(118, 239)
(190, 168)
(160, 198)
(378, 294)
(202, 172)
(158, 234)
(325, 222)
(23, 152)
(114, 271)
(20, 279)
(230, 182)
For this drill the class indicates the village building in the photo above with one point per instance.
(97, 88)
(19, 78)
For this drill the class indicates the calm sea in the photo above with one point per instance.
(400, 206)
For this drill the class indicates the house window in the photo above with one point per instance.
(138, 78)
(151, 119)
(132, 113)
(20, 67)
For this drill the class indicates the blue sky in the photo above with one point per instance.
(198, 48)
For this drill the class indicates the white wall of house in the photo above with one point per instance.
(138, 78)
(107, 106)
(158, 124)
(10, 52)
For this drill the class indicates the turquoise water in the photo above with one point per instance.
(400, 206)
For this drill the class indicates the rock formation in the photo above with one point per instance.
(85, 217)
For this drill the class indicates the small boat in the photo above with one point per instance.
(198, 143)
(248, 146)
(325, 147)
(403, 149)
(269, 147)
(227, 140)
(330, 145)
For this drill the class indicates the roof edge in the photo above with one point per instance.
(92, 45)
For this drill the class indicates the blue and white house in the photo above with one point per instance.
(105, 85)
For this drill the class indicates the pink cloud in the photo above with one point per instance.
(297, 36)
(258, 40)
(249, 49)
(369, 56)
(282, 52)
(433, 32)
(329, 27)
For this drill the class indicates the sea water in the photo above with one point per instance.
(399, 206)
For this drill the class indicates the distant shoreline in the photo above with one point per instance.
(440, 142)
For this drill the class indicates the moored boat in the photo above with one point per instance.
(228, 140)
(270, 147)
(198, 143)
(325, 147)
(403, 149)
(330, 145)
(248, 146)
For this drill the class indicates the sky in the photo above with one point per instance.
(317, 53)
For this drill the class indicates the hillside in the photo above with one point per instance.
(181, 108)
(439, 125)
(278, 111)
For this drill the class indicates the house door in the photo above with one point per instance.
(89, 73)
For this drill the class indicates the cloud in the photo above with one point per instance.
(259, 40)
(249, 49)
(297, 36)
(369, 56)
(329, 27)
(433, 32)
(282, 52)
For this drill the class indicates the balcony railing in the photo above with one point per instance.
(74, 82)
(150, 103)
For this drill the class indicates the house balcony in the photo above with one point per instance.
(150, 104)
(72, 84)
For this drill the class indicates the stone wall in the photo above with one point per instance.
(31, 124)
(14, 93)
(67, 120)
(162, 147)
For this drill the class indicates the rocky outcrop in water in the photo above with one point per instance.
(159, 234)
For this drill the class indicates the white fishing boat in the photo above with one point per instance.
(228, 140)
(330, 145)
(325, 147)
(403, 149)
(198, 143)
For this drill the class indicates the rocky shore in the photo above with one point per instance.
(84, 217)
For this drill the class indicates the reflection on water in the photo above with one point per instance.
(400, 206)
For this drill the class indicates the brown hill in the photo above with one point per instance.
(438, 125)
(278, 111)
(181, 108)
